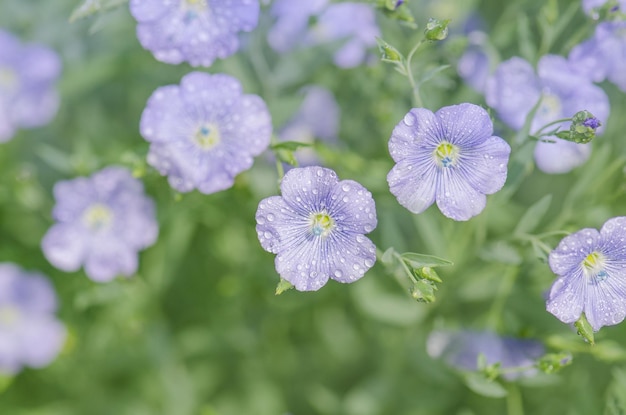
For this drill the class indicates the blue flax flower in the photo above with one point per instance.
(30, 334)
(194, 31)
(514, 89)
(591, 270)
(461, 349)
(102, 222)
(316, 228)
(352, 23)
(451, 157)
(27, 95)
(589, 5)
(603, 56)
(204, 132)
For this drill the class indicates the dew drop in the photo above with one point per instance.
(409, 119)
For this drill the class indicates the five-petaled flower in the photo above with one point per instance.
(591, 267)
(205, 131)
(451, 157)
(195, 31)
(102, 221)
(28, 97)
(30, 334)
(317, 228)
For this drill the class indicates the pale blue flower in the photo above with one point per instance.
(194, 31)
(205, 131)
(451, 157)
(28, 97)
(317, 228)
(461, 349)
(30, 334)
(591, 270)
(102, 223)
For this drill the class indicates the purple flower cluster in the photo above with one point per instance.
(317, 228)
(102, 222)
(451, 157)
(27, 95)
(461, 350)
(30, 334)
(603, 56)
(205, 131)
(514, 89)
(354, 23)
(194, 31)
(591, 270)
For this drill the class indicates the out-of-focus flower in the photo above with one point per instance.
(317, 228)
(102, 222)
(590, 5)
(205, 131)
(317, 117)
(514, 89)
(194, 31)
(474, 65)
(30, 334)
(353, 23)
(461, 349)
(603, 56)
(591, 270)
(28, 97)
(451, 157)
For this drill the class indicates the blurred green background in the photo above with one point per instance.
(199, 330)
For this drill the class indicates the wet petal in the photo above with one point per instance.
(457, 199)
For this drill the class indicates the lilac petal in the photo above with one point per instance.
(568, 256)
(35, 108)
(41, 340)
(73, 197)
(350, 55)
(485, 165)
(418, 127)
(561, 156)
(558, 75)
(64, 246)
(456, 198)
(10, 353)
(253, 131)
(300, 265)
(147, 10)
(565, 298)
(353, 205)
(587, 59)
(277, 225)
(205, 93)
(413, 184)
(306, 190)
(110, 259)
(465, 125)
(512, 91)
(165, 118)
(350, 257)
(35, 293)
(605, 303)
(39, 65)
(613, 235)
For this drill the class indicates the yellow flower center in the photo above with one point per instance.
(192, 8)
(593, 266)
(446, 154)
(321, 224)
(8, 315)
(207, 136)
(8, 78)
(550, 107)
(98, 217)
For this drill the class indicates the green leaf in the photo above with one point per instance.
(428, 75)
(388, 52)
(286, 156)
(91, 7)
(290, 145)
(616, 395)
(480, 384)
(533, 216)
(54, 158)
(502, 252)
(422, 260)
(5, 382)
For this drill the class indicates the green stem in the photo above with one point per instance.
(417, 99)
(514, 403)
(406, 268)
(495, 314)
(538, 133)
